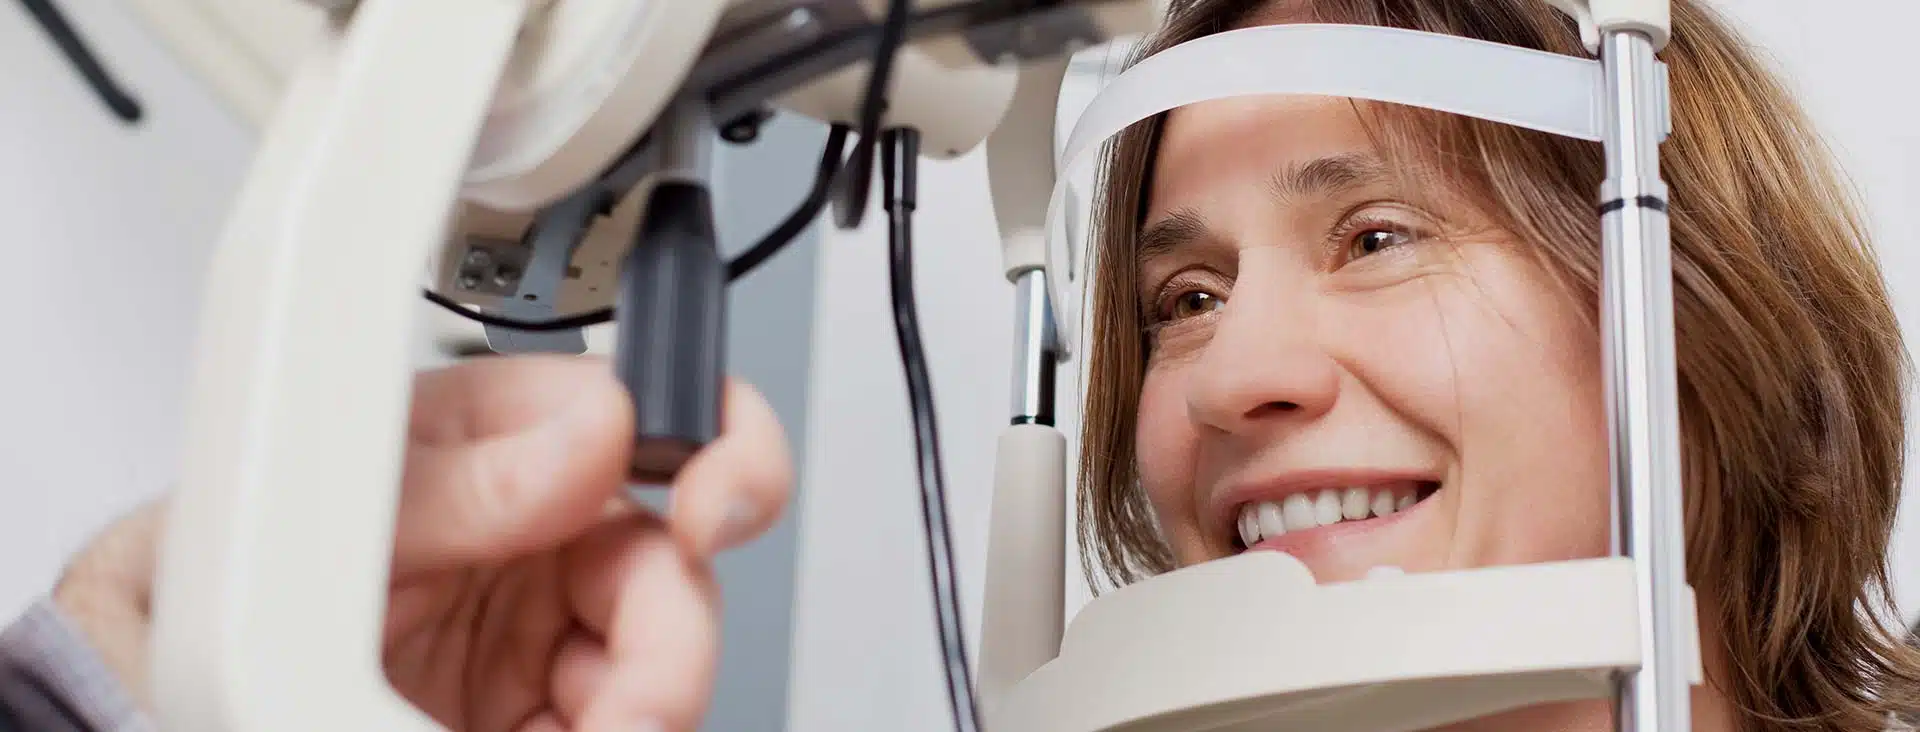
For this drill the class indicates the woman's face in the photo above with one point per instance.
(1351, 369)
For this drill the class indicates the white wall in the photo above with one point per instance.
(106, 231)
(866, 652)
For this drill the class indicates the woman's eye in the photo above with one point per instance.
(1373, 241)
(1191, 303)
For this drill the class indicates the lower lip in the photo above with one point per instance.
(1322, 538)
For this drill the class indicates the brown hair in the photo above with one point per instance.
(1791, 366)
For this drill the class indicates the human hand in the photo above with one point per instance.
(528, 595)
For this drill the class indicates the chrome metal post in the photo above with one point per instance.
(1641, 381)
(1036, 361)
(685, 136)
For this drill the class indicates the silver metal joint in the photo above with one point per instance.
(684, 135)
(1637, 121)
(1036, 362)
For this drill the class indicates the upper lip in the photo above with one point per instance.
(1226, 503)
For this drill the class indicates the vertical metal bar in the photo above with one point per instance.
(684, 135)
(1641, 383)
(1035, 359)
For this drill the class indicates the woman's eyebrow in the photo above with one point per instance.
(1167, 234)
(1318, 177)
(1326, 176)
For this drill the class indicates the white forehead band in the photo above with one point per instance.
(1506, 84)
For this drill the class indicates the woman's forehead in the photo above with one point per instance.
(1224, 141)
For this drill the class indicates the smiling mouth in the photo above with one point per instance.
(1316, 510)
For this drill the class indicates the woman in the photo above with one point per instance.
(1366, 335)
(1360, 334)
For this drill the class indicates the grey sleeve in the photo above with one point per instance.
(51, 680)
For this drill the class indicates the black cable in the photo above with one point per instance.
(582, 320)
(900, 154)
(740, 266)
(802, 216)
(84, 60)
(853, 194)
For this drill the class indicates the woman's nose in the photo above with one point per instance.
(1265, 365)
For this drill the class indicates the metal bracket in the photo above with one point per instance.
(548, 261)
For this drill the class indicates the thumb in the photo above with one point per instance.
(507, 457)
(107, 594)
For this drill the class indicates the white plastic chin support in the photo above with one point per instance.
(1227, 645)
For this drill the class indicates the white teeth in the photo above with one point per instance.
(1353, 503)
(1270, 521)
(1383, 504)
(1302, 511)
(1326, 508)
(1299, 512)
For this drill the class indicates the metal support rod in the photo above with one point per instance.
(555, 235)
(684, 137)
(1641, 381)
(1036, 361)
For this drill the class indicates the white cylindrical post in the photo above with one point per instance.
(1023, 613)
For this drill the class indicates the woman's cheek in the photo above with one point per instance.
(1165, 443)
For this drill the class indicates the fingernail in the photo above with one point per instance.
(1385, 572)
(650, 725)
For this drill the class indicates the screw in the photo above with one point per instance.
(798, 19)
(469, 281)
(506, 277)
(478, 258)
(745, 128)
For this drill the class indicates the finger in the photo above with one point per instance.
(597, 567)
(543, 721)
(107, 592)
(663, 640)
(507, 456)
(122, 558)
(737, 487)
(579, 669)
